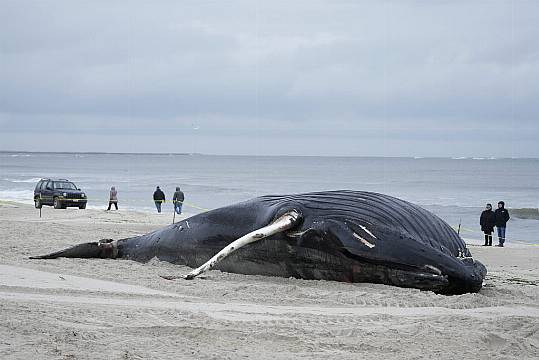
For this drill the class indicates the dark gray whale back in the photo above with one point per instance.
(378, 209)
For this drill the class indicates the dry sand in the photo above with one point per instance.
(117, 309)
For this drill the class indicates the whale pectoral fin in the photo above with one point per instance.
(285, 222)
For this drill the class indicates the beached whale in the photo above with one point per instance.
(350, 236)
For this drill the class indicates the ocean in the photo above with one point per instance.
(456, 189)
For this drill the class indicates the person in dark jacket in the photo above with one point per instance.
(501, 216)
(158, 198)
(178, 200)
(487, 224)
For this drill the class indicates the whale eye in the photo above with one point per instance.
(289, 209)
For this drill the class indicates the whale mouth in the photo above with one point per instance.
(420, 280)
(429, 277)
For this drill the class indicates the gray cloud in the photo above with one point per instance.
(429, 79)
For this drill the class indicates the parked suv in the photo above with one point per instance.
(59, 193)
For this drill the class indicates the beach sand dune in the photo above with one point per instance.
(117, 309)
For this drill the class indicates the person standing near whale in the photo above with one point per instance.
(113, 198)
(486, 221)
(158, 198)
(501, 216)
(178, 199)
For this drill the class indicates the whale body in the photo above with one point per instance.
(350, 236)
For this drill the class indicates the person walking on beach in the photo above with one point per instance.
(501, 216)
(113, 198)
(158, 198)
(178, 200)
(487, 224)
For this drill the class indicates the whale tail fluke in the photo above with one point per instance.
(104, 249)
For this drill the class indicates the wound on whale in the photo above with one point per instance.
(349, 236)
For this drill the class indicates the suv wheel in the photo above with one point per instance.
(57, 203)
(38, 203)
(82, 206)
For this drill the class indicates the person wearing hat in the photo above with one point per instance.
(158, 198)
(487, 224)
(501, 216)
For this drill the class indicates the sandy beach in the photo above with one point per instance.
(117, 309)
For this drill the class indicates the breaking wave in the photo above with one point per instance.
(31, 180)
(21, 196)
(525, 213)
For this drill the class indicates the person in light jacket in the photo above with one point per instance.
(113, 198)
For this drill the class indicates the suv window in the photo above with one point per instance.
(48, 184)
(38, 186)
(64, 185)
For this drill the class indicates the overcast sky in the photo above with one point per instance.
(357, 78)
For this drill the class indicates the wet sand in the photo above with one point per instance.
(117, 309)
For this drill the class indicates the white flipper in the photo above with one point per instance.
(285, 222)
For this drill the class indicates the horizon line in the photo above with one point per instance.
(417, 157)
